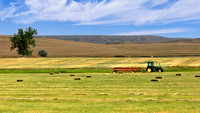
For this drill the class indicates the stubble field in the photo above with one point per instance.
(94, 62)
(103, 92)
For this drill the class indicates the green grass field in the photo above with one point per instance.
(104, 92)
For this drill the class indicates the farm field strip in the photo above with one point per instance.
(109, 92)
(78, 62)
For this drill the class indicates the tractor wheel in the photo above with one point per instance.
(160, 70)
(149, 70)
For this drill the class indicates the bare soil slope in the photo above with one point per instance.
(62, 48)
(5, 47)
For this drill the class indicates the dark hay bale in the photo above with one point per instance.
(197, 75)
(51, 73)
(159, 77)
(89, 76)
(20, 80)
(80, 94)
(178, 74)
(77, 78)
(155, 80)
(55, 99)
(57, 72)
(72, 75)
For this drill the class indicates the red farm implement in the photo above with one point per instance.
(150, 68)
(127, 69)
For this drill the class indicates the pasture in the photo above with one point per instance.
(101, 92)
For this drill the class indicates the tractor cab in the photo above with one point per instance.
(150, 64)
(151, 67)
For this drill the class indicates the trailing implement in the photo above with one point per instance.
(150, 68)
(126, 69)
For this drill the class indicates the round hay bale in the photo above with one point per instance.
(159, 77)
(72, 75)
(155, 80)
(20, 80)
(77, 78)
(197, 75)
(51, 73)
(178, 74)
(89, 76)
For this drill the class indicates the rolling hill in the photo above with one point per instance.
(106, 39)
(196, 40)
(64, 48)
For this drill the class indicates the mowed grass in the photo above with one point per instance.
(94, 62)
(104, 92)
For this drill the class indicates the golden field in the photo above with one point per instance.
(87, 62)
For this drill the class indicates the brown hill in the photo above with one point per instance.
(5, 47)
(62, 48)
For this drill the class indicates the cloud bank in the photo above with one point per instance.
(95, 12)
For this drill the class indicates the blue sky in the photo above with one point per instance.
(170, 18)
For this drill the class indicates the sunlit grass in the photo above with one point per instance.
(103, 92)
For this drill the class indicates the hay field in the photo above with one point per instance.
(124, 93)
(62, 48)
(81, 62)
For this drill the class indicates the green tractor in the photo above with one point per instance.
(152, 68)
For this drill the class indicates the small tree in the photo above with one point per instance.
(42, 53)
(22, 41)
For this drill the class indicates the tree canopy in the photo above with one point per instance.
(23, 40)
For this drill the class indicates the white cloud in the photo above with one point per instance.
(91, 12)
(8, 12)
(153, 32)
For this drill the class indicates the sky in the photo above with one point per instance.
(169, 18)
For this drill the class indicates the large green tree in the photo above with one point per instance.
(23, 40)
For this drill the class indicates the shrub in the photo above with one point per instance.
(42, 53)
